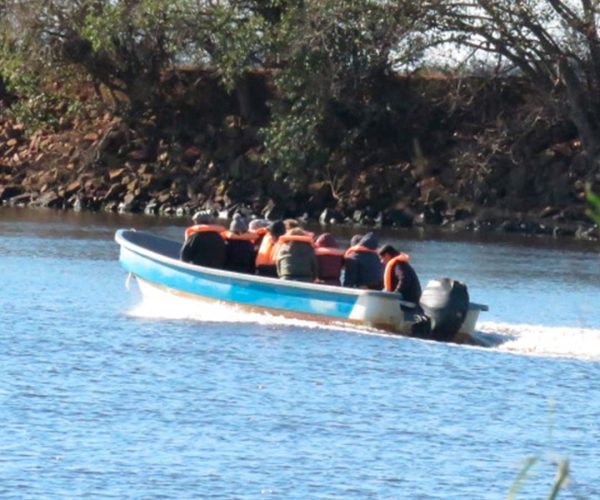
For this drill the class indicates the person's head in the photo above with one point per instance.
(387, 253)
(276, 229)
(296, 231)
(356, 239)
(256, 224)
(238, 224)
(202, 218)
(326, 240)
(291, 224)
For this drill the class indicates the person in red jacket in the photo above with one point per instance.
(330, 259)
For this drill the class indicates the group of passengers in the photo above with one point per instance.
(283, 249)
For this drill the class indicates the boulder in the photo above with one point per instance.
(330, 216)
(49, 199)
(10, 191)
(396, 217)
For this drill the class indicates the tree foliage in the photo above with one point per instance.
(326, 58)
(553, 43)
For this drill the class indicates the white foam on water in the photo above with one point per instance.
(524, 339)
(539, 340)
(158, 304)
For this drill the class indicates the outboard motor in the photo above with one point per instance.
(446, 303)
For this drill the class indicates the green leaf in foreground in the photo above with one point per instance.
(594, 201)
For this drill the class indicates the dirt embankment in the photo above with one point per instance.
(482, 163)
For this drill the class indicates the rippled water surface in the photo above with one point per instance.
(105, 396)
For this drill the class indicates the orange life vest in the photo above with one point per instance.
(305, 238)
(389, 270)
(203, 228)
(265, 255)
(230, 235)
(288, 238)
(261, 231)
(359, 249)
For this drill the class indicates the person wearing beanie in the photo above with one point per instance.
(203, 244)
(330, 259)
(296, 258)
(265, 258)
(363, 267)
(239, 251)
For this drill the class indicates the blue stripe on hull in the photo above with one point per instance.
(233, 289)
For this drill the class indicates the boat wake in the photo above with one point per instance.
(538, 340)
(171, 307)
(532, 340)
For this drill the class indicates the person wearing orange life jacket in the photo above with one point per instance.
(265, 258)
(330, 259)
(399, 275)
(239, 249)
(203, 244)
(363, 267)
(296, 258)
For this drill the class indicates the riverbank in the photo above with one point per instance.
(442, 176)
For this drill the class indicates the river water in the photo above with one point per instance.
(103, 395)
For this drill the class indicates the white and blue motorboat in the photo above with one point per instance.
(155, 263)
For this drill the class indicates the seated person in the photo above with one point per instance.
(330, 259)
(363, 267)
(296, 258)
(239, 250)
(203, 244)
(399, 275)
(265, 258)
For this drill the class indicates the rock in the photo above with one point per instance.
(19, 200)
(129, 204)
(77, 204)
(10, 191)
(72, 188)
(273, 211)
(116, 174)
(151, 207)
(330, 216)
(49, 199)
(114, 192)
(395, 217)
(358, 216)
(191, 154)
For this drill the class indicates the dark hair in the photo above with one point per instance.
(276, 228)
(388, 250)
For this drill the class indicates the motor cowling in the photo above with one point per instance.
(446, 303)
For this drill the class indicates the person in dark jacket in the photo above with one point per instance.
(203, 245)
(240, 253)
(330, 259)
(363, 267)
(296, 258)
(400, 275)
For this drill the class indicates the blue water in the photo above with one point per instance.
(102, 396)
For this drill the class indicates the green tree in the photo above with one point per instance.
(330, 55)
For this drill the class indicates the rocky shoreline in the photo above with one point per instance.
(101, 164)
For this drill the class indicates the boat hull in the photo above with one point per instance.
(154, 261)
